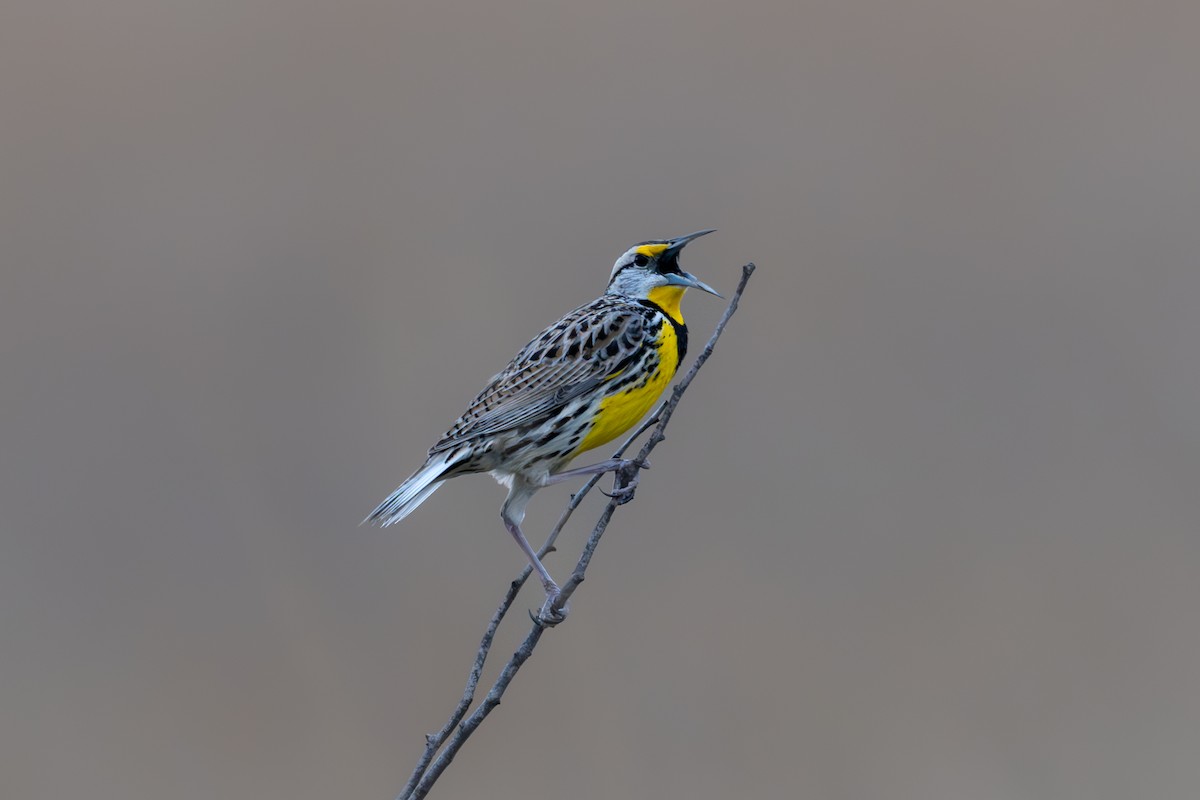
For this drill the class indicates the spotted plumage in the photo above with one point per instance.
(577, 385)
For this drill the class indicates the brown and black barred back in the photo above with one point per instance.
(541, 404)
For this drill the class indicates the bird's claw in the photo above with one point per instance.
(625, 481)
(550, 616)
(623, 490)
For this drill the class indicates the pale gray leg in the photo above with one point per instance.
(611, 465)
(624, 484)
(513, 513)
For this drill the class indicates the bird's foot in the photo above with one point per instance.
(625, 481)
(552, 612)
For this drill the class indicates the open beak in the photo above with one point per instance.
(683, 278)
(687, 279)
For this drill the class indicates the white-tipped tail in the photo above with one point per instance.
(412, 492)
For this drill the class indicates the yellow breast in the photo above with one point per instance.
(619, 412)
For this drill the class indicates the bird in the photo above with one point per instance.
(579, 384)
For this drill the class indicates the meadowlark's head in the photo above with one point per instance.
(652, 265)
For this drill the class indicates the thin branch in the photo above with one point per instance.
(433, 763)
(434, 740)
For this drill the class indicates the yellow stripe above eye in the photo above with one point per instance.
(652, 250)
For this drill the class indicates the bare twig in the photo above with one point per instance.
(450, 739)
(434, 740)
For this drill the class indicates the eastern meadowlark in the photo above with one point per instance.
(579, 384)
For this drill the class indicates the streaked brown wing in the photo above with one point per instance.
(568, 359)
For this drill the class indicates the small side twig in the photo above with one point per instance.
(450, 739)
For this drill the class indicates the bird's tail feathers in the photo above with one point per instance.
(410, 494)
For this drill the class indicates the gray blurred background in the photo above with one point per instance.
(925, 527)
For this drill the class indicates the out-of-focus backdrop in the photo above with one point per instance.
(927, 526)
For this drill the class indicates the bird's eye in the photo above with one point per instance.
(640, 260)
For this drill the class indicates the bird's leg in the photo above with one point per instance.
(611, 465)
(547, 582)
(624, 484)
(513, 514)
